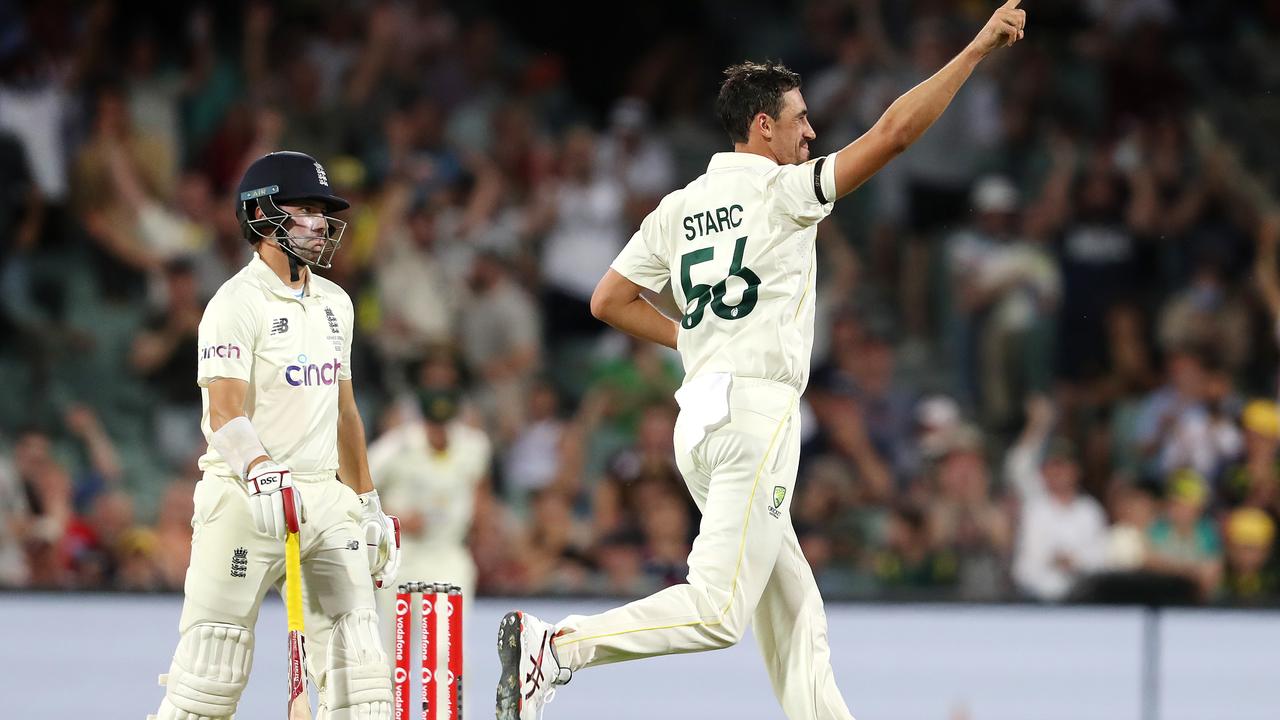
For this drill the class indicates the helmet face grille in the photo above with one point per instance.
(297, 238)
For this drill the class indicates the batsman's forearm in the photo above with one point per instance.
(912, 113)
(353, 460)
(640, 319)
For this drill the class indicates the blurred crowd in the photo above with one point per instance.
(1045, 364)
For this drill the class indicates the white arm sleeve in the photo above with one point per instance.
(238, 444)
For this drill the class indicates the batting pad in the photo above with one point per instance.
(358, 684)
(208, 673)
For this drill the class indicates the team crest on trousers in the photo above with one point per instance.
(779, 494)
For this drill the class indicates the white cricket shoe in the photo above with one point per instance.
(530, 669)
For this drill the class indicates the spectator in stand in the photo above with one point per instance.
(937, 418)
(164, 354)
(665, 525)
(101, 470)
(157, 228)
(1093, 218)
(53, 515)
(909, 560)
(966, 523)
(1183, 424)
(865, 415)
(1006, 290)
(15, 522)
(95, 545)
(619, 558)
(1254, 480)
(173, 533)
(839, 522)
(1208, 313)
(1135, 509)
(115, 151)
(582, 215)
(1062, 532)
(136, 559)
(1184, 542)
(500, 343)
(638, 475)
(495, 542)
(553, 551)
(418, 301)
(637, 154)
(635, 377)
(1250, 576)
(534, 457)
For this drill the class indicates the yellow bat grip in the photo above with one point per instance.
(293, 581)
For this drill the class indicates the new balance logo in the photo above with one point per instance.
(353, 544)
(239, 562)
(279, 326)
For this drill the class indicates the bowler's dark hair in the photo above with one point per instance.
(751, 88)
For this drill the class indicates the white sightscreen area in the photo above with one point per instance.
(76, 656)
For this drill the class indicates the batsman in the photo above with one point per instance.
(286, 455)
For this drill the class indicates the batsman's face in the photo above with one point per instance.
(308, 229)
(792, 132)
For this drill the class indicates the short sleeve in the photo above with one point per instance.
(643, 260)
(348, 321)
(227, 337)
(797, 192)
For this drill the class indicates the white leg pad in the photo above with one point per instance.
(358, 682)
(208, 673)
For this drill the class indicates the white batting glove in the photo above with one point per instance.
(381, 539)
(275, 504)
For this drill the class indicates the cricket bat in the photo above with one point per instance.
(299, 701)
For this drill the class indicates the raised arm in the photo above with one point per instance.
(1264, 264)
(910, 115)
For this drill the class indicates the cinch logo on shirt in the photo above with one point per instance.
(306, 374)
(226, 350)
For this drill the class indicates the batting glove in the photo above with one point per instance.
(275, 504)
(381, 539)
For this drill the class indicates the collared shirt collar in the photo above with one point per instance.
(272, 282)
(739, 159)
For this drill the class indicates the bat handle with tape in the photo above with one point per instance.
(299, 702)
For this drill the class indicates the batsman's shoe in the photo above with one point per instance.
(530, 669)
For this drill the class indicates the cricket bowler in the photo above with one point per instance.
(730, 260)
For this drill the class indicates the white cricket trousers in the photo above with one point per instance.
(233, 565)
(745, 567)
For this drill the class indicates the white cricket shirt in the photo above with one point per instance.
(737, 247)
(441, 485)
(292, 351)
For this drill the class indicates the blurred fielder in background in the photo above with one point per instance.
(281, 420)
(430, 470)
(730, 261)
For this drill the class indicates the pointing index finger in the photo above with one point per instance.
(1012, 4)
